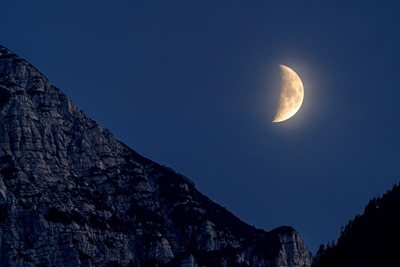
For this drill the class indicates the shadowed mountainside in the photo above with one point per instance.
(370, 239)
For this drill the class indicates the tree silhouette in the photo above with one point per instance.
(370, 239)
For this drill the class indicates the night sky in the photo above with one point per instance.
(194, 85)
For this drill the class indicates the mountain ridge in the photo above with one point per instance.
(71, 194)
(370, 239)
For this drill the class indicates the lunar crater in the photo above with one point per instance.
(291, 96)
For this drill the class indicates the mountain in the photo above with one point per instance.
(73, 195)
(370, 239)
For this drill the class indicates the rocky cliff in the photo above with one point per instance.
(73, 195)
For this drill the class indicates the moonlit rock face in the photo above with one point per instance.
(292, 94)
(71, 194)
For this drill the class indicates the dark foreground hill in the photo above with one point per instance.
(370, 239)
(73, 195)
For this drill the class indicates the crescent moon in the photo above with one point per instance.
(292, 94)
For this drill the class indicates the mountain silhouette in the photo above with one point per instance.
(370, 239)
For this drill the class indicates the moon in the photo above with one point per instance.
(292, 94)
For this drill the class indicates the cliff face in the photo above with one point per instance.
(73, 195)
(293, 251)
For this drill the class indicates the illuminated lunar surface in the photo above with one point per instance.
(292, 95)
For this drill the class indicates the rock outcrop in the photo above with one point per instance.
(73, 195)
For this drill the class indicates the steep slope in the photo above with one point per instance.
(73, 195)
(370, 239)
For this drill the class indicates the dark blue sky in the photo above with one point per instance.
(194, 85)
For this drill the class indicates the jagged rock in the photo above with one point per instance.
(73, 195)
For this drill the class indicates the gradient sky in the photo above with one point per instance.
(194, 85)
